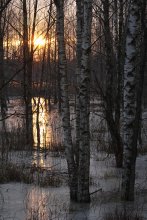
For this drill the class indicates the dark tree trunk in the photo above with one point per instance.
(132, 98)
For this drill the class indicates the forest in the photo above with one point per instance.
(73, 109)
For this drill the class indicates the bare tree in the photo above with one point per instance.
(3, 98)
(78, 174)
(111, 92)
(28, 53)
(65, 113)
(79, 30)
(3, 103)
(84, 97)
(131, 101)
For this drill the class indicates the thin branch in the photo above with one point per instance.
(4, 6)
(15, 74)
(8, 116)
(96, 191)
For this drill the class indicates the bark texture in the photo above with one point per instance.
(84, 144)
(79, 30)
(113, 80)
(3, 103)
(28, 53)
(78, 160)
(65, 113)
(130, 102)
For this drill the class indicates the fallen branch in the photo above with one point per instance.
(96, 191)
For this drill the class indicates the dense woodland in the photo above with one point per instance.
(77, 52)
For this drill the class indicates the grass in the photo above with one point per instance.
(142, 150)
(13, 173)
(110, 174)
(122, 215)
(14, 139)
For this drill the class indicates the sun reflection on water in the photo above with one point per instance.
(41, 130)
(37, 201)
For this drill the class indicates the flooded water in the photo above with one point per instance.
(52, 202)
(47, 128)
(32, 202)
(46, 124)
(48, 203)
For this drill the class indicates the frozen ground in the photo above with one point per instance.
(20, 201)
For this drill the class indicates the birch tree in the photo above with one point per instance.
(84, 96)
(78, 164)
(130, 102)
(65, 113)
(79, 30)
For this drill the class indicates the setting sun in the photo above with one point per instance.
(39, 41)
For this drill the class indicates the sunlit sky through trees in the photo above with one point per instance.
(45, 27)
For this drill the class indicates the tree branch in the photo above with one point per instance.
(4, 6)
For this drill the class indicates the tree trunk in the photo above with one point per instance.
(65, 113)
(3, 100)
(27, 79)
(112, 94)
(130, 140)
(79, 15)
(84, 144)
(3, 103)
(141, 71)
(28, 63)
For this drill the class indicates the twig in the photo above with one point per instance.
(96, 191)
(8, 116)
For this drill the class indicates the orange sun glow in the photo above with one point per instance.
(39, 41)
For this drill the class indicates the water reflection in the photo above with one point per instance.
(47, 204)
(40, 161)
(46, 124)
(41, 130)
(36, 204)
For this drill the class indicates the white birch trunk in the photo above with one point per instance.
(84, 145)
(130, 141)
(65, 113)
(79, 29)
